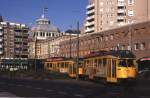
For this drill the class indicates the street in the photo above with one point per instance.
(68, 89)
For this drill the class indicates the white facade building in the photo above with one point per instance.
(44, 29)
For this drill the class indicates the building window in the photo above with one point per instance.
(43, 34)
(49, 34)
(101, 3)
(123, 47)
(142, 46)
(136, 46)
(130, 13)
(129, 48)
(106, 38)
(101, 38)
(101, 10)
(130, 2)
(40, 33)
(112, 37)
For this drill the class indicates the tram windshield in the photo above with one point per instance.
(126, 63)
(131, 62)
(144, 65)
(122, 63)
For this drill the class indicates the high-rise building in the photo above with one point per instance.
(107, 14)
(13, 40)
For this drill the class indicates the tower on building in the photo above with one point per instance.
(43, 29)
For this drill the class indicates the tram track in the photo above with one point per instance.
(75, 89)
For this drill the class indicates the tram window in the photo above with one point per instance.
(95, 63)
(66, 64)
(50, 65)
(123, 63)
(144, 65)
(62, 65)
(104, 61)
(47, 65)
(113, 68)
(58, 65)
(87, 62)
(130, 62)
(99, 62)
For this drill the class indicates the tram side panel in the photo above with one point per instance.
(95, 68)
(101, 69)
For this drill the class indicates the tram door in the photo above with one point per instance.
(111, 70)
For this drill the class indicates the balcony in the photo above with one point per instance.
(25, 53)
(121, 23)
(1, 33)
(121, 4)
(25, 40)
(90, 6)
(90, 12)
(1, 52)
(26, 35)
(1, 46)
(1, 39)
(90, 23)
(90, 17)
(89, 30)
(121, 17)
(121, 11)
(1, 28)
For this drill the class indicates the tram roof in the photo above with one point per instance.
(62, 59)
(144, 59)
(115, 53)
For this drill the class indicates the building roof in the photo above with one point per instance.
(45, 28)
(44, 25)
(115, 53)
(72, 31)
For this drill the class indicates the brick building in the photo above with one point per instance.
(133, 37)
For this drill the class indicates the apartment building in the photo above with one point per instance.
(107, 14)
(13, 40)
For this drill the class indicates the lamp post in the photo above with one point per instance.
(70, 43)
(77, 66)
(35, 53)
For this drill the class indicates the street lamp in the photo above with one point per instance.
(35, 56)
(77, 66)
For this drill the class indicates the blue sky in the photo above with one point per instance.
(62, 13)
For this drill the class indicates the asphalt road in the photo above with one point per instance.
(70, 89)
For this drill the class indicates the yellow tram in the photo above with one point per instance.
(64, 65)
(111, 66)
